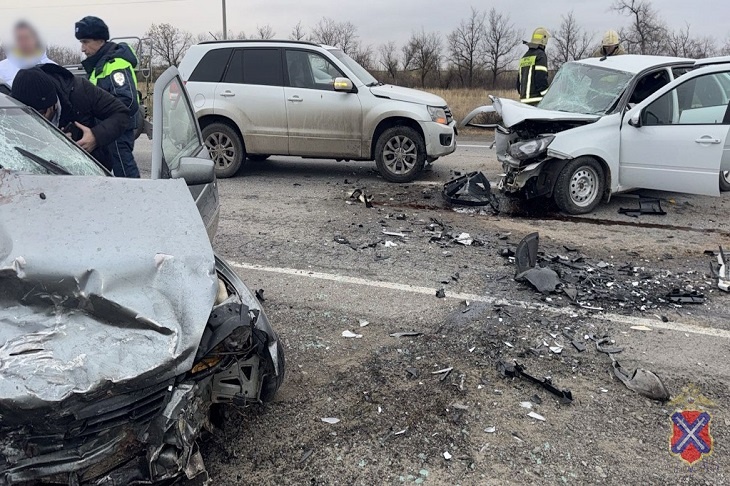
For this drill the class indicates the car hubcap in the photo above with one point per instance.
(584, 186)
(726, 176)
(400, 155)
(221, 149)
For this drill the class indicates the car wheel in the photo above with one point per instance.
(580, 186)
(225, 147)
(272, 382)
(258, 157)
(400, 154)
(725, 181)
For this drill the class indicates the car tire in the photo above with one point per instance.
(580, 186)
(725, 181)
(400, 154)
(258, 157)
(225, 147)
(272, 382)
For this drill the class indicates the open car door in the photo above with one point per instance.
(177, 146)
(678, 138)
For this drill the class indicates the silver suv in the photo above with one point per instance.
(255, 99)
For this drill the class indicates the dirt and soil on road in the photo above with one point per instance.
(327, 266)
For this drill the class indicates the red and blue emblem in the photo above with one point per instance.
(691, 439)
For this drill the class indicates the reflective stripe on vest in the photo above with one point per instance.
(117, 64)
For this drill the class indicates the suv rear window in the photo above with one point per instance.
(211, 66)
(256, 66)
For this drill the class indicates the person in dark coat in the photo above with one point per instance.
(110, 66)
(92, 117)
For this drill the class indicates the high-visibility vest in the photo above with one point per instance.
(533, 76)
(115, 65)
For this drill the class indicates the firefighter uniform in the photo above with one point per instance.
(532, 78)
(112, 68)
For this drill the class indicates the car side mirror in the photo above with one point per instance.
(194, 171)
(635, 120)
(344, 85)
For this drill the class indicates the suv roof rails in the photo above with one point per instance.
(712, 61)
(254, 41)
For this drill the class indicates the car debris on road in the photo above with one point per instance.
(516, 371)
(473, 189)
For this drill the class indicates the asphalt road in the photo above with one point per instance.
(279, 223)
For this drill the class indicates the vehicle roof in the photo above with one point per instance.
(634, 63)
(8, 102)
(258, 41)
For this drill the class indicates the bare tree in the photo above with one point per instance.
(264, 32)
(169, 43)
(725, 50)
(501, 40)
(364, 56)
(298, 33)
(336, 34)
(63, 55)
(465, 44)
(647, 32)
(571, 42)
(681, 44)
(388, 59)
(218, 35)
(424, 54)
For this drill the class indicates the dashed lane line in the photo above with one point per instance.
(567, 311)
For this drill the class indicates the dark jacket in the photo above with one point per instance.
(117, 80)
(532, 80)
(83, 102)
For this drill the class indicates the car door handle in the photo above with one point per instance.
(228, 94)
(295, 99)
(709, 140)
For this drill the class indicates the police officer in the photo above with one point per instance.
(610, 45)
(532, 79)
(110, 66)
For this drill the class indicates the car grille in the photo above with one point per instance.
(449, 115)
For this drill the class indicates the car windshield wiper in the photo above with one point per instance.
(49, 165)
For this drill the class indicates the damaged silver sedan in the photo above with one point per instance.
(122, 335)
(615, 124)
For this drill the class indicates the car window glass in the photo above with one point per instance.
(648, 85)
(680, 71)
(180, 137)
(211, 66)
(704, 100)
(26, 130)
(263, 67)
(310, 70)
(234, 74)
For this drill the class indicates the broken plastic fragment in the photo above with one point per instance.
(447, 456)
(536, 416)
(640, 328)
(350, 334)
(405, 334)
(526, 404)
(464, 239)
(545, 280)
(472, 189)
(331, 420)
(643, 382)
(526, 253)
(490, 430)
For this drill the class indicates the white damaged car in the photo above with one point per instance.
(614, 124)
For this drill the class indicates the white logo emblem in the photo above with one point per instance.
(119, 79)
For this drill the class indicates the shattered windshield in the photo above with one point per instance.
(580, 88)
(359, 71)
(24, 132)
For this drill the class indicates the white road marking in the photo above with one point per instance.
(472, 146)
(567, 311)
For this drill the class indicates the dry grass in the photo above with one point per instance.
(463, 101)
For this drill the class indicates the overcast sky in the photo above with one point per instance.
(377, 20)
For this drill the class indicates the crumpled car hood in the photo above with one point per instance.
(103, 283)
(408, 95)
(513, 113)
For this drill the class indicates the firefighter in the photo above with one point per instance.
(110, 66)
(532, 79)
(610, 46)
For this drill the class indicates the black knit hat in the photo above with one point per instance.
(92, 28)
(34, 88)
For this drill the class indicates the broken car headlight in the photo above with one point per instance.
(438, 114)
(531, 148)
